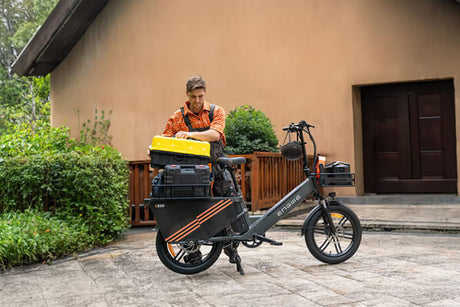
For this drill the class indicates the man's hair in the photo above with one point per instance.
(195, 82)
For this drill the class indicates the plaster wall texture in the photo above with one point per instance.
(297, 59)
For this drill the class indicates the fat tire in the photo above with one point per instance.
(316, 217)
(186, 268)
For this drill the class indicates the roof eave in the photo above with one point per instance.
(51, 43)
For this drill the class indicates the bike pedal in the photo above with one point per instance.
(265, 239)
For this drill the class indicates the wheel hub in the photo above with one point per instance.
(190, 247)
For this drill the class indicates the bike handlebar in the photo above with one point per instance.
(298, 127)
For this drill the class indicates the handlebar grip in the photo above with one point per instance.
(295, 127)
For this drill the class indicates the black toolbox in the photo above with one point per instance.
(180, 220)
(158, 159)
(166, 150)
(191, 181)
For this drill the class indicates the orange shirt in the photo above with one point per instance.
(176, 122)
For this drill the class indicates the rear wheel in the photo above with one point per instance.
(337, 243)
(189, 258)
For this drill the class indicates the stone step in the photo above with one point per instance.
(403, 217)
(397, 199)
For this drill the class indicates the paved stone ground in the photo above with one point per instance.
(389, 269)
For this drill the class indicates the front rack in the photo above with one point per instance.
(335, 179)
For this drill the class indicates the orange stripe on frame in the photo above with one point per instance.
(187, 231)
(225, 204)
(210, 216)
(191, 230)
(191, 224)
(209, 209)
(177, 233)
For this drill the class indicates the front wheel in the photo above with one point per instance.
(189, 258)
(332, 243)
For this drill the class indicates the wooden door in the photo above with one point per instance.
(409, 138)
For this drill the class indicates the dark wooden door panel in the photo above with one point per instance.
(409, 138)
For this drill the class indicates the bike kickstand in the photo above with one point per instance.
(239, 268)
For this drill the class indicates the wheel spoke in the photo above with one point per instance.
(337, 246)
(342, 221)
(179, 255)
(325, 243)
(348, 235)
(319, 230)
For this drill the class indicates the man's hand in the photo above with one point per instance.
(210, 135)
(183, 135)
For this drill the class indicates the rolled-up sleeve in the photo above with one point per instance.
(169, 127)
(218, 122)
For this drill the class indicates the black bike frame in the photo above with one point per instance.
(261, 223)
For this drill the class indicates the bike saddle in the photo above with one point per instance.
(231, 161)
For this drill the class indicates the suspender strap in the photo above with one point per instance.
(211, 112)
(187, 120)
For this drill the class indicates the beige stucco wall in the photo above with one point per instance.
(295, 59)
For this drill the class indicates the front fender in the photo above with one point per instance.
(313, 211)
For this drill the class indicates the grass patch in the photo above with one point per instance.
(31, 237)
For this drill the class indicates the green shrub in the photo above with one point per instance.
(92, 184)
(248, 130)
(22, 141)
(77, 183)
(31, 236)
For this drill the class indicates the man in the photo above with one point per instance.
(199, 120)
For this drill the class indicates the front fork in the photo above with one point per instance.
(325, 208)
(327, 216)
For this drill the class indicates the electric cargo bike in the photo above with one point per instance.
(194, 227)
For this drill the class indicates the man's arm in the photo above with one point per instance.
(169, 129)
(209, 135)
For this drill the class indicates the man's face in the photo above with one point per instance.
(196, 99)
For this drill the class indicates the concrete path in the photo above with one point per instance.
(389, 269)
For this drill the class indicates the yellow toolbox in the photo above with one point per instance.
(166, 151)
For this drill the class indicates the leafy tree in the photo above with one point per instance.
(22, 100)
(20, 19)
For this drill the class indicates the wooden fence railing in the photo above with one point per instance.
(140, 186)
(267, 178)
